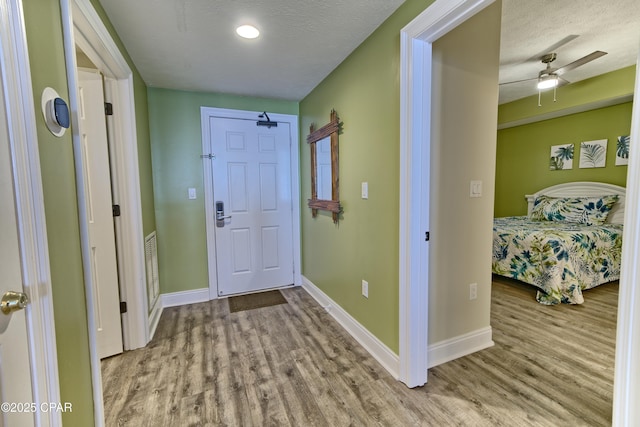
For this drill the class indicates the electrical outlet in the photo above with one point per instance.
(365, 289)
(473, 291)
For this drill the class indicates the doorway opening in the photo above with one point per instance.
(415, 104)
(416, 41)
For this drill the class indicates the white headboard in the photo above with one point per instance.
(584, 189)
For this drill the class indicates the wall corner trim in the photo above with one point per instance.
(462, 345)
(376, 348)
(174, 299)
(154, 318)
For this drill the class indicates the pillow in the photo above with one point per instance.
(580, 210)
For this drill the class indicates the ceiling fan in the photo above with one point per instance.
(551, 77)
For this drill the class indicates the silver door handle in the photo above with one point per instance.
(13, 301)
(220, 216)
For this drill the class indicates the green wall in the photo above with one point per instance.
(365, 92)
(47, 60)
(147, 201)
(523, 153)
(174, 120)
(46, 55)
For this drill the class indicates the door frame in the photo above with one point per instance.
(205, 114)
(82, 26)
(626, 384)
(30, 215)
(415, 142)
(416, 40)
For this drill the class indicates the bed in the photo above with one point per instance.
(570, 241)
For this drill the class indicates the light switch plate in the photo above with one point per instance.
(365, 190)
(192, 193)
(475, 189)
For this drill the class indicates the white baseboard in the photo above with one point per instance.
(378, 350)
(185, 297)
(438, 353)
(462, 345)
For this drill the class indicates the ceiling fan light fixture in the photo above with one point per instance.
(547, 82)
(247, 31)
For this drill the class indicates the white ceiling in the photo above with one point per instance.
(531, 27)
(192, 45)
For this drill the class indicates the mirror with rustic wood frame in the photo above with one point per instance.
(320, 141)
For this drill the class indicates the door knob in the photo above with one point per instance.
(13, 301)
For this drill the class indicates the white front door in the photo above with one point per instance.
(252, 188)
(104, 267)
(15, 370)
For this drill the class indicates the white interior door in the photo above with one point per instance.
(104, 268)
(252, 181)
(15, 369)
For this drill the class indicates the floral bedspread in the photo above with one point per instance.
(561, 259)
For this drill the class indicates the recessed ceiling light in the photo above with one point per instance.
(247, 31)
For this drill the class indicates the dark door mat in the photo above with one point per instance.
(259, 300)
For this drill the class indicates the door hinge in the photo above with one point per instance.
(116, 210)
(108, 109)
(426, 236)
(123, 307)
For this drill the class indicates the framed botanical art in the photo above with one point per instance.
(561, 157)
(593, 154)
(622, 150)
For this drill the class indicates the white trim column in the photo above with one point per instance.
(83, 27)
(626, 385)
(32, 232)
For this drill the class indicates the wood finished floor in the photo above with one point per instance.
(291, 364)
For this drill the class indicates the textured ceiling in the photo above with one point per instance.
(531, 27)
(192, 45)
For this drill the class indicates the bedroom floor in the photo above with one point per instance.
(291, 364)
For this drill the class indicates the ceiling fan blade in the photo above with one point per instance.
(518, 81)
(577, 63)
(562, 82)
(553, 47)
